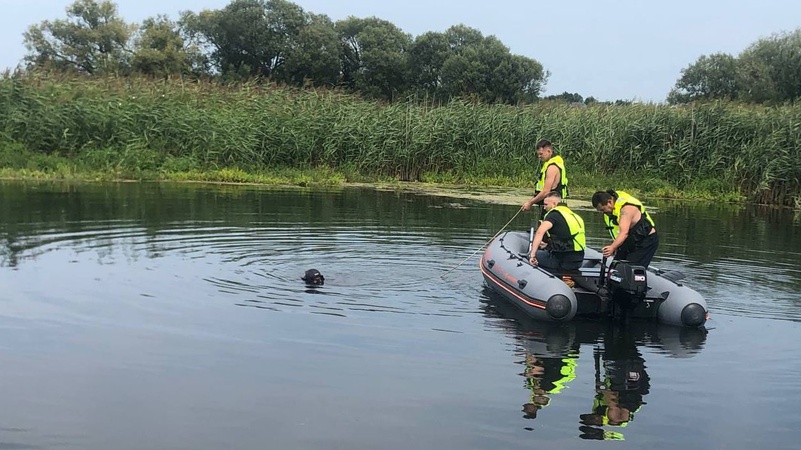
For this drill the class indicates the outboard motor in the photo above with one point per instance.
(628, 278)
(627, 285)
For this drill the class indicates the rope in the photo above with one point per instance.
(429, 279)
(485, 244)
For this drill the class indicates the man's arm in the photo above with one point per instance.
(538, 237)
(552, 176)
(627, 214)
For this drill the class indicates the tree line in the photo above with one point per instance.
(280, 41)
(767, 72)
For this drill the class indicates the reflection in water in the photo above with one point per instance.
(742, 260)
(551, 354)
(546, 377)
(179, 310)
(250, 246)
(621, 382)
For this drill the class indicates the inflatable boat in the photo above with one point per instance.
(567, 339)
(600, 288)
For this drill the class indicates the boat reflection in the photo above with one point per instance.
(550, 355)
(621, 383)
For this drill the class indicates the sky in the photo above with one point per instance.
(607, 49)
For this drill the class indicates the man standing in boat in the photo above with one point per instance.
(553, 176)
(631, 227)
(564, 231)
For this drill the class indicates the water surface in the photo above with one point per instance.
(173, 317)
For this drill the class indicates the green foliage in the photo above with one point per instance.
(768, 71)
(239, 35)
(710, 77)
(138, 128)
(567, 97)
(463, 63)
(159, 50)
(173, 164)
(374, 57)
(315, 57)
(132, 159)
(427, 55)
(272, 38)
(277, 41)
(15, 156)
(92, 40)
(279, 176)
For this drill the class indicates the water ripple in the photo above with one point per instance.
(369, 267)
(755, 287)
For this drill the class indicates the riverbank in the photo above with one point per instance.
(138, 128)
(495, 190)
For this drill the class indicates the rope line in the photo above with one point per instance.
(434, 277)
(485, 244)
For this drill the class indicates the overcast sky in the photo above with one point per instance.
(608, 49)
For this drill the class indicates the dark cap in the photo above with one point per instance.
(313, 276)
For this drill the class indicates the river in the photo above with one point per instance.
(172, 316)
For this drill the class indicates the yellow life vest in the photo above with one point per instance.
(562, 186)
(613, 220)
(568, 372)
(577, 233)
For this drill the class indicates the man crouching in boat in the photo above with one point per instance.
(564, 231)
(632, 229)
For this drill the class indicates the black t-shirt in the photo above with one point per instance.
(559, 229)
(561, 245)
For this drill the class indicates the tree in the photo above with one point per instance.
(461, 37)
(314, 56)
(567, 97)
(247, 37)
(427, 55)
(273, 38)
(374, 57)
(770, 69)
(159, 50)
(710, 77)
(485, 68)
(465, 71)
(523, 79)
(92, 40)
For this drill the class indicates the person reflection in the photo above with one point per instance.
(621, 382)
(545, 376)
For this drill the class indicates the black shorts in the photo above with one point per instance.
(643, 251)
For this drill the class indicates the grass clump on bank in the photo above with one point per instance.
(143, 129)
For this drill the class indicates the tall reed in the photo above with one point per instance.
(749, 148)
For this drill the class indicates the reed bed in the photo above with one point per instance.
(182, 125)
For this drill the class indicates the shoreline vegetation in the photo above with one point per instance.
(79, 128)
(488, 191)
